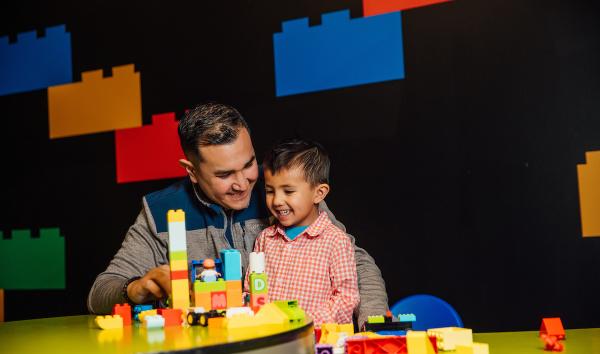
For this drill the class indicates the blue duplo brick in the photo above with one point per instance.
(341, 52)
(35, 63)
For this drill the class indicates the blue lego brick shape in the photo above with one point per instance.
(35, 63)
(341, 52)
(232, 264)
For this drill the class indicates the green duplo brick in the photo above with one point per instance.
(209, 286)
(178, 256)
(258, 283)
(33, 263)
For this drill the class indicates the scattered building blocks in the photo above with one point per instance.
(389, 323)
(552, 326)
(145, 313)
(149, 152)
(331, 332)
(232, 264)
(341, 52)
(449, 337)
(180, 288)
(383, 344)
(137, 309)
(123, 310)
(96, 104)
(109, 321)
(407, 317)
(33, 63)
(234, 293)
(173, 317)
(475, 348)
(417, 342)
(153, 321)
(292, 310)
(32, 263)
(378, 7)
(588, 176)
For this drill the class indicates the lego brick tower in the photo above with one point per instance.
(180, 295)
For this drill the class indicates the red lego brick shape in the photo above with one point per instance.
(218, 300)
(386, 344)
(173, 317)
(179, 274)
(123, 310)
(149, 152)
(552, 326)
(378, 7)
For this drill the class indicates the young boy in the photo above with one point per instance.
(307, 257)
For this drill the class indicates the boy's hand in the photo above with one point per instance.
(156, 284)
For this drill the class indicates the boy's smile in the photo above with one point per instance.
(291, 199)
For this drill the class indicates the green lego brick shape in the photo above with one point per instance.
(376, 319)
(407, 317)
(291, 309)
(32, 263)
(209, 286)
(178, 256)
(258, 283)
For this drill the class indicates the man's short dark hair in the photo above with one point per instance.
(310, 156)
(209, 124)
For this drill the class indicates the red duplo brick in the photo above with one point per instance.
(172, 316)
(123, 310)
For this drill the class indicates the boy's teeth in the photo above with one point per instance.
(284, 212)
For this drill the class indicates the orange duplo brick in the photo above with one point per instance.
(202, 300)
(173, 317)
(234, 293)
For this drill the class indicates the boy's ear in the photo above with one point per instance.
(189, 168)
(320, 192)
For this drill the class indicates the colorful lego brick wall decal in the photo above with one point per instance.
(96, 104)
(32, 263)
(33, 63)
(149, 152)
(588, 175)
(341, 52)
(378, 7)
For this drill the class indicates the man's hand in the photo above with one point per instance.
(156, 284)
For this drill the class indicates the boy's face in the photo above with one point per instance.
(291, 199)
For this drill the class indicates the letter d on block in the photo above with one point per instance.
(258, 283)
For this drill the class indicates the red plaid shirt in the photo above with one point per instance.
(317, 268)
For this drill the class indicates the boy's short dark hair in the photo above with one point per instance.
(209, 124)
(310, 156)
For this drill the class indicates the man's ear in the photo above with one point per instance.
(320, 192)
(189, 168)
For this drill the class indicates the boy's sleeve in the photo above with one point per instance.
(373, 297)
(342, 271)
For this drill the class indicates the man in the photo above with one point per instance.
(223, 210)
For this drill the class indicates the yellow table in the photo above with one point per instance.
(77, 334)
(578, 341)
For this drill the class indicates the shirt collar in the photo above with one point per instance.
(314, 230)
(203, 199)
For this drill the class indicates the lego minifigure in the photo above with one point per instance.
(209, 273)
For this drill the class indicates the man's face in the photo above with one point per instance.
(290, 198)
(227, 173)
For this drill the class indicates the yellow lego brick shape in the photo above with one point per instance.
(109, 322)
(180, 294)
(588, 175)
(475, 348)
(271, 314)
(234, 293)
(96, 104)
(449, 337)
(242, 320)
(178, 265)
(330, 332)
(202, 300)
(175, 215)
(146, 313)
(418, 342)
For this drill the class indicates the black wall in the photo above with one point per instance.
(460, 180)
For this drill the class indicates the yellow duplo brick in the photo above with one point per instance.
(175, 215)
(271, 314)
(347, 328)
(180, 294)
(418, 342)
(449, 337)
(178, 265)
(109, 322)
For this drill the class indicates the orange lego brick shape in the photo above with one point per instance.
(588, 175)
(96, 104)
(379, 7)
